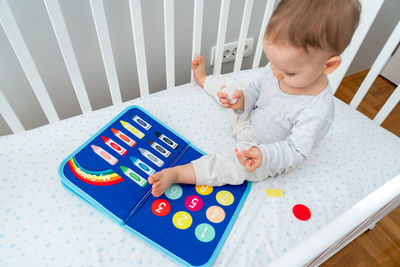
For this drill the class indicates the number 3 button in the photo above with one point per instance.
(160, 207)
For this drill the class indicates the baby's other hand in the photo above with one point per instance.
(226, 102)
(251, 159)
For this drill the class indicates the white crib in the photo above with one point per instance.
(50, 226)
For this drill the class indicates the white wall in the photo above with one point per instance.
(35, 26)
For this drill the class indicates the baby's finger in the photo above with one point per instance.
(224, 101)
(239, 157)
(235, 95)
(222, 95)
(250, 166)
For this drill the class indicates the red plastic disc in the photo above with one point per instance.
(301, 212)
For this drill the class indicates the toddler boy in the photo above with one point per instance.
(278, 119)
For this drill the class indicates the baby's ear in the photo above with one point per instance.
(332, 64)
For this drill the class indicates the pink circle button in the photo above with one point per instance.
(193, 203)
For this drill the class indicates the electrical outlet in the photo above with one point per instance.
(229, 52)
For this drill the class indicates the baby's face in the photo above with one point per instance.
(293, 66)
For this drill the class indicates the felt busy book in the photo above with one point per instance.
(189, 223)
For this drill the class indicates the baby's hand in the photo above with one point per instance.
(251, 159)
(226, 102)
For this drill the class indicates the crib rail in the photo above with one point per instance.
(197, 29)
(55, 13)
(369, 11)
(138, 38)
(376, 68)
(169, 42)
(67, 51)
(28, 65)
(267, 15)
(348, 226)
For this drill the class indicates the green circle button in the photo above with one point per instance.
(205, 232)
(174, 192)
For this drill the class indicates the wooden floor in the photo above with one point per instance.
(380, 246)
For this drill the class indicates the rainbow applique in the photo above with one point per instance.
(100, 178)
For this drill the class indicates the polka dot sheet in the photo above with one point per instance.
(44, 224)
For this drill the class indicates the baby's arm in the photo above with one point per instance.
(309, 128)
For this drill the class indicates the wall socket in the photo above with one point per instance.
(229, 52)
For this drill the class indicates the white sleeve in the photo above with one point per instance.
(251, 92)
(309, 128)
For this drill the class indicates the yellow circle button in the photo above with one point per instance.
(182, 220)
(204, 189)
(225, 198)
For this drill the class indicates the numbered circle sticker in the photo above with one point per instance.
(205, 232)
(174, 192)
(160, 207)
(215, 214)
(204, 189)
(225, 198)
(182, 220)
(193, 203)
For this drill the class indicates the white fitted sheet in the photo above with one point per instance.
(44, 224)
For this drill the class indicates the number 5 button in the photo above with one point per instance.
(193, 203)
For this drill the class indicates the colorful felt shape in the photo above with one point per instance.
(273, 192)
(301, 212)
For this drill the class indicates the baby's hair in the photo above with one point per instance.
(323, 24)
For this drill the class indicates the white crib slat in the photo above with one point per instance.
(28, 65)
(369, 11)
(378, 66)
(138, 38)
(9, 115)
(243, 34)
(197, 29)
(103, 35)
(222, 25)
(67, 51)
(267, 15)
(169, 42)
(389, 106)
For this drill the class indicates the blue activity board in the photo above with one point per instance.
(189, 223)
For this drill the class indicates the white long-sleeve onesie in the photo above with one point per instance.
(285, 127)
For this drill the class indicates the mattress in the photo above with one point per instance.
(44, 224)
